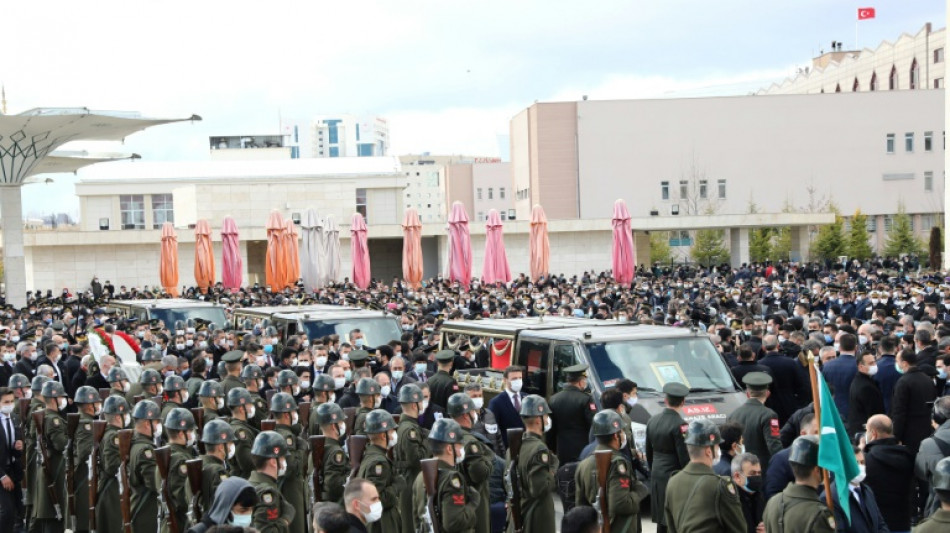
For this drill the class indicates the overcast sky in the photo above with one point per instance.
(447, 74)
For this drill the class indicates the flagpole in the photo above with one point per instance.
(814, 398)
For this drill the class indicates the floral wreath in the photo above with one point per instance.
(107, 341)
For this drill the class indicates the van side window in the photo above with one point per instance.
(564, 357)
(533, 356)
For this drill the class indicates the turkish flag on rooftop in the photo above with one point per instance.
(865, 13)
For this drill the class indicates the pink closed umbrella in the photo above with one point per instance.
(539, 245)
(460, 254)
(412, 248)
(623, 257)
(495, 269)
(359, 251)
(292, 251)
(232, 265)
(275, 271)
(204, 256)
(168, 263)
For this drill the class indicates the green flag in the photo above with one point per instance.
(834, 447)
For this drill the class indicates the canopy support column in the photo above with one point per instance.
(14, 260)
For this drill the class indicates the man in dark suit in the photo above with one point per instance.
(420, 368)
(503, 405)
(746, 363)
(11, 465)
(54, 357)
(100, 379)
(788, 383)
(911, 409)
(430, 411)
(865, 395)
(73, 365)
(8, 349)
(840, 372)
(26, 365)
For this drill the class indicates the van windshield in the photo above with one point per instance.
(652, 363)
(378, 331)
(201, 315)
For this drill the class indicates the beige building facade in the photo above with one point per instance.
(481, 187)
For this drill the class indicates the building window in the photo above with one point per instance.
(929, 181)
(909, 141)
(874, 81)
(890, 143)
(361, 203)
(938, 83)
(938, 55)
(892, 81)
(665, 190)
(928, 141)
(162, 210)
(333, 132)
(501, 193)
(684, 188)
(914, 75)
(722, 189)
(478, 193)
(872, 224)
(703, 189)
(888, 222)
(481, 215)
(334, 151)
(132, 207)
(926, 222)
(855, 87)
(491, 193)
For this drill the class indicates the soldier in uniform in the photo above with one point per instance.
(666, 448)
(273, 514)
(410, 447)
(288, 382)
(940, 520)
(442, 384)
(456, 503)
(696, 498)
(760, 428)
(152, 362)
(232, 364)
(332, 424)
(243, 411)
(624, 491)
(150, 383)
(218, 438)
(322, 393)
(536, 468)
(572, 410)
(117, 414)
(89, 404)
(29, 443)
(210, 398)
(49, 514)
(292, 484)
(369, 392)
(176, 394)
(180, 428)
(253, 378)
(798, 508)
(476, 463)
(377, 468)
(119, 384)
(143, 478)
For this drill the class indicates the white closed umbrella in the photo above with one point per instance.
(311, 251)
(332, 243)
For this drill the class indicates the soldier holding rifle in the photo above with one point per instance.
(180, 428)
(243, 411)
(49, 511)
(117, 415)
(534, 469)
(329, 418)
(449, 505)
(143, 480)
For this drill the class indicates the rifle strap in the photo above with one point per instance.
(692, 492)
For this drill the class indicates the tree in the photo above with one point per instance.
(660, 251)
(782, 244)
(901, 239)
(708, 249)
(858, 246)
(936, 247)
(760, 244)
(830, 242)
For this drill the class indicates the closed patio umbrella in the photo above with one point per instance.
(292, 251)
(275, 271)
(168, 263)
(412, 248)
(312, 253)
(204, 256)
(232, 265)
(623, 256)
(331, 236)
(460, 254)
(359, 251)
(495, 269)
(538, 244)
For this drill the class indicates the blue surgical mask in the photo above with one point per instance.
(241, 520)
(397, 375)
(899, 369)
(828, 338)
(268, 348)
(348, 375)
(360, 342)
(420, 368)
(942, 373)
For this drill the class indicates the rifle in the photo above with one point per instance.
(104, 393)
(268, 425)
(163, 457)
(317, 445)
(23, 404)
(72, 423)
(514, 479)
(430, 477)
(303, 412)
(158, 400)
(196, 480)
(137, 398)
(125, 491)
(199, 414)
(356, 445)
(98, 431)
(270, 395)
(603, 468)
(42, 455)
(349, 417)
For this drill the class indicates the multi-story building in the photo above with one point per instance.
(426, 185)
(481, 187)
(349, 136)
(253, 147)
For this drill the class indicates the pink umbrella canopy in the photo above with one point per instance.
(359, 251)
(204, 256)
(168, 264)
(460, 253)
(623, 258)
(275, 271)
(495, 269)
(232, 265)
(292, 250)
(412, 248)
(539, 245)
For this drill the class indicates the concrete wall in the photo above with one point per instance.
(555, 165)
(458, 182)
(521, 163)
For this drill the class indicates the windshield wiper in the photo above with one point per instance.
(646, 389)
(707, 389)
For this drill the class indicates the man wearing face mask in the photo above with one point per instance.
(243, 412)
(336, 464)
(363, 505)
(536, 467)
(253, 378)
(442, 383)
(798, 507)
(746, 473)
(273, 513)
(666, 448)
(117, 414)
(456, 501)
(478, 459)
(322, 393)
(293, 485)
(420, 368)
(143, 478)
(410, 448)
(865, 395)
(730, 447)
(378, 469)
(486, 426)
(89, 404)
(180, 428)
(397, 369)
(573, 410)
(176, 395)
(232, 361)
(210, 399)
(233, 504)
(507, 405)
(865, 515)
(54, 436)
(218, 438)
(369, 393)
(761, 429)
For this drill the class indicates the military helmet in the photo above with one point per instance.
(251, 372)
(703, 433)
(329, 413)
(150, 377)
(211, 389)
(941, 475)
(459, 404)
(222, 368)
(117, 374)
(151, 355)
(269, 444)
(534, 405)
(367, 387)
(86, 394)
(282, 403)
(115, 405)
(190, 325)
(379, 421)
(217, 431)
(287, 378)
(323, 383)
(606, 422)
(174, 384)
(446, 430)
(239, 396)
(147, 410)
(53, 389)
(179, 419)
(37, 385)
(18, 381)
(804, 451)
(410, 393)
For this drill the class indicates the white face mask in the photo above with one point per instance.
(157, 430)
(862, 473)
(231, 451)
(126, 386)
(375, 513)
(479, 402)
(425, 405)
(321, 361)
(220, 403)
(339, 383)
(385, 390)
(460, 456)
(397, 374)
(242, 520)
(872, 370)
(192, 439)
(393, 438)
(28, 394)
(341, 427)
(6, 409)
(632, 401)
(623, 440)
(184, 397)
(250, 411)
(516, 385)
(127, 420)
(547, 424)
(294, 419)
(474, 417)
(378, 402)
(61, 403)
(282, 469)
(305, 384)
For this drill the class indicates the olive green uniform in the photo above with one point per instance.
(456, 502)
(213, 472)
(572, 411)
(475, 470)
(377, 467)
(335, 471)
(360, 424)
(536, 469)
(108, 517)
(44, 511)
(699, 500)
(29, 444)
(244, 434)
(143, 479)
(441, 386)
(624, 492)
(167, 407)
(938, 522)
(797, 508)
(666, 453)
(760, 430)
(313, 427)
(178, 487)
(83, 449)
(208, 414)
(272, 514)
(410, 449)
(261, 411)
(231, 382)
(293, 485)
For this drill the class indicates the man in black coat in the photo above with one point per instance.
(926, 351)
(746, 363)
(865, 398)
(914, 394)
(788, 385)
(890, 473)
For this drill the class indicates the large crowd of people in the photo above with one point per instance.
(218, 431)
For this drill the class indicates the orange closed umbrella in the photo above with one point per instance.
(412, 248)
(204, 256)
(292, 252)
(168, 265)
(275, 272)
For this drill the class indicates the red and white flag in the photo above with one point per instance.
(865, 13)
